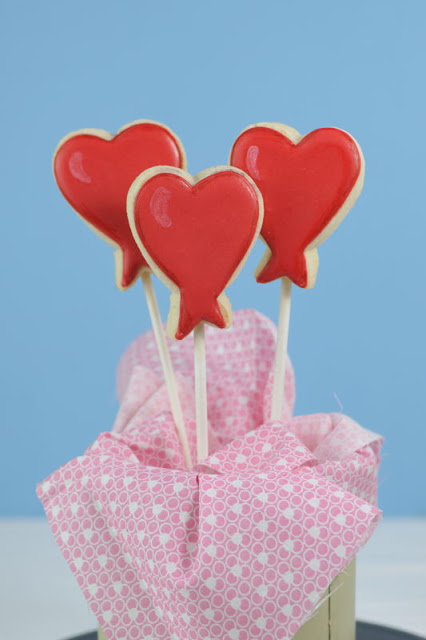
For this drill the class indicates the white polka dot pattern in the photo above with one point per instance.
(242, 547)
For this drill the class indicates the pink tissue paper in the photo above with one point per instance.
(243, 546)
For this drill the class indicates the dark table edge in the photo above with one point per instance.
(364, 631)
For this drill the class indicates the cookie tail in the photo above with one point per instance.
(274, 266)
(128, 265)
(187, 311)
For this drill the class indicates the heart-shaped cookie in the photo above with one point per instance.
(308, 185)
(195, 233)
(94, 170)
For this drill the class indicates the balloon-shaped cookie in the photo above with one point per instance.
(308, 186)
(94, 170)
(195, 233)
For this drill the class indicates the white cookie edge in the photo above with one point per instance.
(311, 253)
(106, 135)
(175, 297)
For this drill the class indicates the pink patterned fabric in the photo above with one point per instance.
(239, 375)
(243, 546)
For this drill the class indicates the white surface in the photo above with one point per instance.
(40, 600)
(391, 576)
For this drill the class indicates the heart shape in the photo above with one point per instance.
(195, 233)
(308, 185)
(94, 171)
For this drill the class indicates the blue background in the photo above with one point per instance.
(208, 69)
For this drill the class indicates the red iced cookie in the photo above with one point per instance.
(94, 171)
(195, 234)
(308, 185)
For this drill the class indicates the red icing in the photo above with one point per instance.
(303, 185)
(95, 174)
(197, 235)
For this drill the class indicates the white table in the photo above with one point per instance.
(39, 599)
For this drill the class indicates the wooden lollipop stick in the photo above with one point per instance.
(201, 392)
(277, 402)
(166, 363)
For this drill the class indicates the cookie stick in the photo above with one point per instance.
(200, 373)
(94, 169)
(167, 366)
(180, 223)
(309, 184)
(284, 308)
